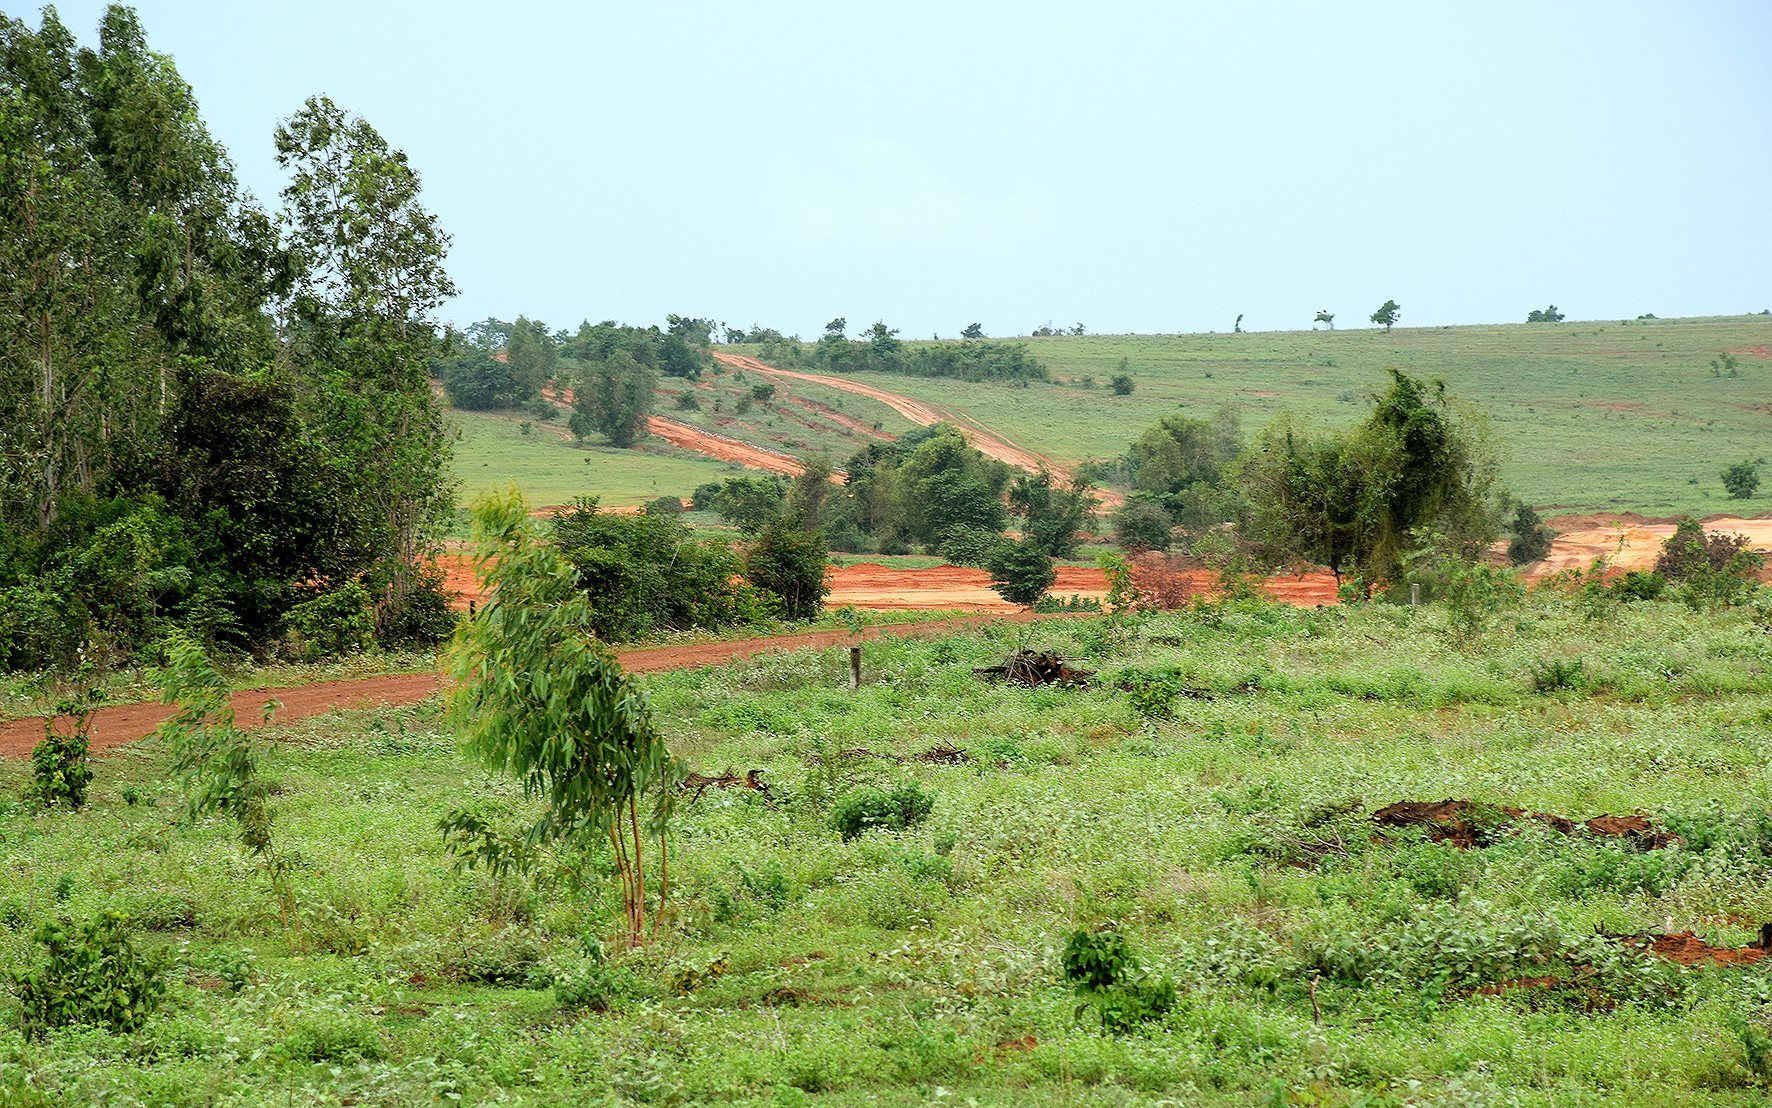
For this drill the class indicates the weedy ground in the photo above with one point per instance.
(1224, 832)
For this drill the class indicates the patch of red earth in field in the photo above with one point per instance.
(126, 723)
(1755, 351)
(1628, 541)
(873, 586)
(1689, 950)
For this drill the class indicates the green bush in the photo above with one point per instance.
(1741, 480)
(91, 974)
(335, 622)
(969, 546)
(1531, 538)
(1638, 585)
(60, 766)
(1552, 674)
(1021, 572)
(870, 809)
(644, 574)
(1141, 524)
(1103, 969)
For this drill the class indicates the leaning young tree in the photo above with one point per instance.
(538, 696)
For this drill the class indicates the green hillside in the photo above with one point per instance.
(1589, 415)
(492, 452)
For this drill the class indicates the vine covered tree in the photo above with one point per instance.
(1417, 472)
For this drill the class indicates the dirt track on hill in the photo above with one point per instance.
(685, 437)
(126, 723)
(987, 442)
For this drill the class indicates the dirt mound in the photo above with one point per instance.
(1688, 949)
(1466, 823)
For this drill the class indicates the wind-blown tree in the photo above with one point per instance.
(1325, 317)
(537, 696)
(1387, 314)
(1544, 315)
(369, 278)
(1416, 473)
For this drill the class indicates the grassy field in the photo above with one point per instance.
(493, 452)
(1589, 415)
(1231, 845)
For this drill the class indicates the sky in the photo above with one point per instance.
(1149, 168)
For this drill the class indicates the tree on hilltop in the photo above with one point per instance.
(1387, 314)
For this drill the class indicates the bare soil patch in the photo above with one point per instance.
(1466, 824)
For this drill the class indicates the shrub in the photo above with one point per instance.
(1104, 971)
(664, 506)
(1122, 384)
(1741, 479)
(60, 766)
(644, 574)
(790, 563)
(1021, 572)
(1142, 525)
(335, 622)
(1638, 585)
(870, 809)
(705, 497)
(91, 974)
(1531, 537)
(424, 617)
(1551, 674)
(591, 983)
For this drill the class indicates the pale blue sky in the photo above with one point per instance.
(1137, 167)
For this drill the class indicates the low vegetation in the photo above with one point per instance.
(1033, 896)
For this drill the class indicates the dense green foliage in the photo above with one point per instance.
(201, 409)
(880, 350)
(92, 974)
(1529, 538)
(1416, 475)
(1021, 571)
(643, 574)
(903, 806)
(788, 563)
(1741, 479)
(61, 768)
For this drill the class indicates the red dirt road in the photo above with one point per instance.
(987, 442)
(125, 723)
(685, 437)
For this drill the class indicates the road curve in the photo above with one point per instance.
(987, 442)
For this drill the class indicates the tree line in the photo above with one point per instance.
(210, 416)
